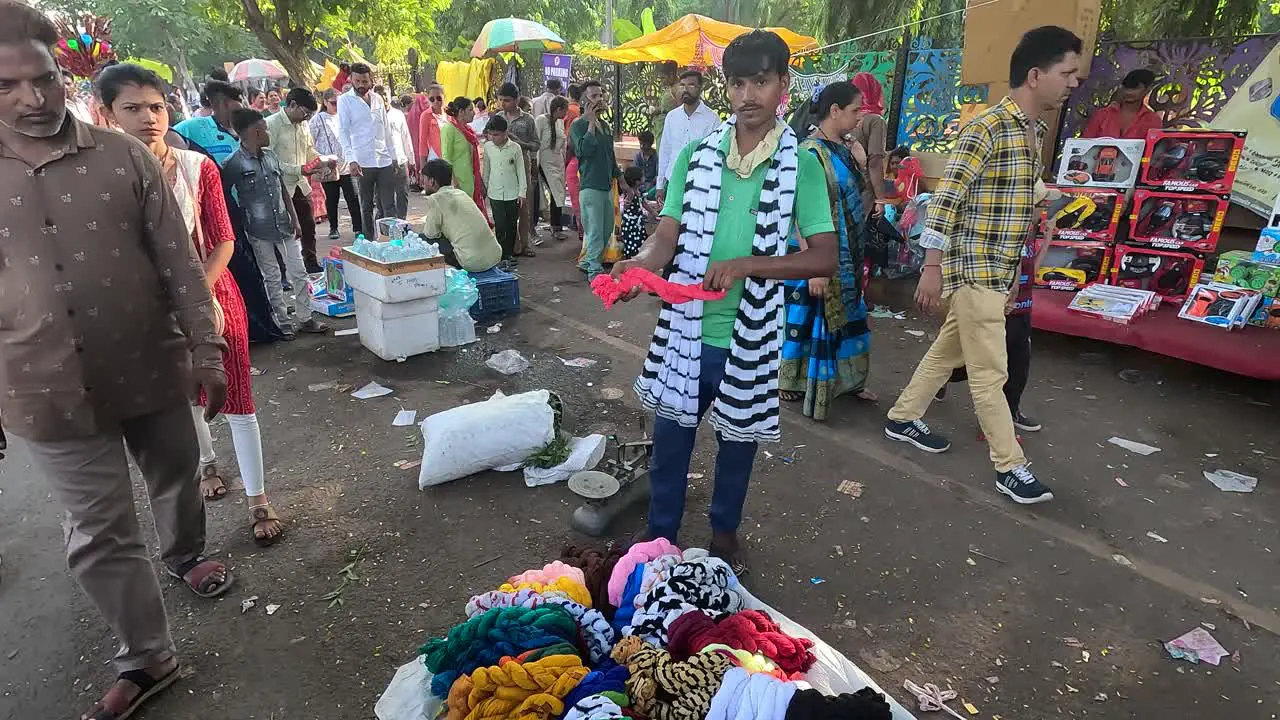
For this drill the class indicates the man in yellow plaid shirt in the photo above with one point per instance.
(974, 236)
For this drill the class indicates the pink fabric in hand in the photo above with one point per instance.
(638, 554)
(610, 290)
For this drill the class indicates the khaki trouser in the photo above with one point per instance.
(106, 552)
(973, 336)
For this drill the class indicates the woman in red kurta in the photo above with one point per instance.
(134, 100)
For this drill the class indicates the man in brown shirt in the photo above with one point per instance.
(106, 331)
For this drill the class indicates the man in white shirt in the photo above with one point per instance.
(542, 103)
(365, 133)
(689, 122)
(403, 143)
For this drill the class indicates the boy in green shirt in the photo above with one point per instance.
(733, 199)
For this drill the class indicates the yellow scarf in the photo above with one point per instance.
(744, 165)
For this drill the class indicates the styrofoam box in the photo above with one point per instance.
(396, 288)
(398, 330)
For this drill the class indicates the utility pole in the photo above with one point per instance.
(607, 40)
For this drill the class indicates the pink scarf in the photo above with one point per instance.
(414, 117)
(872, 93)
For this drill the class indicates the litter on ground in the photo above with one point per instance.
(1134, 447)
(372, 390)
(1196, 645)
(1228, 481)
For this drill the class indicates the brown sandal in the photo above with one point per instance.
(115, 706)
(208, 474)
(264, 513)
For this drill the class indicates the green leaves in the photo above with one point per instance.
(625, 31)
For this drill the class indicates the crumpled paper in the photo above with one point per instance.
(1195, 646)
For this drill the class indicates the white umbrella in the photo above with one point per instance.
(255, 69)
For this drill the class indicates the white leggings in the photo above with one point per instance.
(246, 438)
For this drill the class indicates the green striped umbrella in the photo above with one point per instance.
(513, 35)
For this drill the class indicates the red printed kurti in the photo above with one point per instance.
(216, 227)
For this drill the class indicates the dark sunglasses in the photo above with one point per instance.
(433, 98)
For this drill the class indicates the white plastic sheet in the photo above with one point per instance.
(584, 454)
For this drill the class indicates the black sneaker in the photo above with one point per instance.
(918, 434)
(334, 235)
(941, 394)
(1022, 487)
(1022, 422)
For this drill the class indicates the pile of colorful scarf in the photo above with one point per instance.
(682, 646)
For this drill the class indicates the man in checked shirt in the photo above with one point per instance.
(974, 236)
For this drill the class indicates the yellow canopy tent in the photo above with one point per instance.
(692, 40)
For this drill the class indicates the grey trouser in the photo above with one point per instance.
(291, 251)
(377, 196)
(106, 552)
(400, 208)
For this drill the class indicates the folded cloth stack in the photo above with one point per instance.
(639, 554)
(489, 637)
(749, 630)
(515, 689)
(596, 632)
(596, 565)
(703, 584)
(661, 688)
(743, 696)
(596, 707)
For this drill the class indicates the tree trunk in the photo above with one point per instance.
(286, 44)
(298, 65)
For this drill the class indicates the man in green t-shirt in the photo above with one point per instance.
(592, 140)
(722, 355)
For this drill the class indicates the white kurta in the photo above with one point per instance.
(551, 156)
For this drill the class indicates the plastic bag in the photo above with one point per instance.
(584, 454)
(461, 441)
(409, 697)
(460, 293)
(507, 362)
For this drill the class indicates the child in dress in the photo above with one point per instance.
(634, 212)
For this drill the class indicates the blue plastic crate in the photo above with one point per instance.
(499, 295)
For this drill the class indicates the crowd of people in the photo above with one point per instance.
(213, 228)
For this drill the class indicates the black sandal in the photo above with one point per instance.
(200, 582)
(148, 687)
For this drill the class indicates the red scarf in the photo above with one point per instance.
(478, 194)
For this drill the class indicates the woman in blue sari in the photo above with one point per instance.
(827, 344)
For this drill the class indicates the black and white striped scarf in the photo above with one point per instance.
(746, 407)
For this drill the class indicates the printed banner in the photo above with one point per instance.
(557, 66)
(804, 85)
(1256, 108)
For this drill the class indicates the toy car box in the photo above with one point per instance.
(1100, 162)
(1268, 247)
(1237, 267)
(1072, 264)
(1193, 161)
(1267, 314)
(1176, 221)
(1220, 305)
(1169, 273)
(1117, 305)
(1086, 213)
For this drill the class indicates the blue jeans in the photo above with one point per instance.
(672, 450)
(597, 224)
